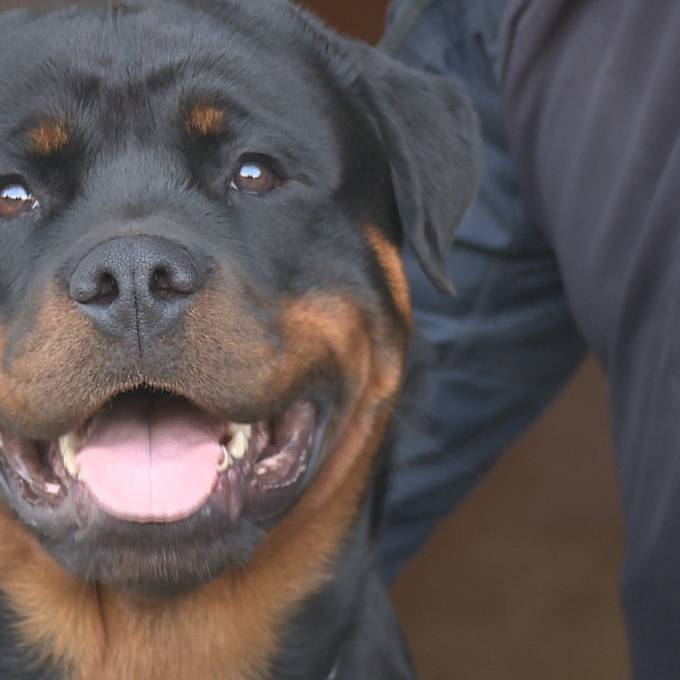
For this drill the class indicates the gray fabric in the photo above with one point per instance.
(588, 93)
(591, 93)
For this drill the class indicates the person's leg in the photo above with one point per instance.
(591, 96)
(499, 350)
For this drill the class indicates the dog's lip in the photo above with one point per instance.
(282, 453)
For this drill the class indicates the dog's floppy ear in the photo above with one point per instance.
(432, 140)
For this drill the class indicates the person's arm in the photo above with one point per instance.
(504, 346)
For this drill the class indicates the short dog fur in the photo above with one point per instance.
(201, 210)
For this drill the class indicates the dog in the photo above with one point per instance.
(203, 328)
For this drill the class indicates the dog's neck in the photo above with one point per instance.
(229, 628)
(314, 653)
(347, 630)
(319, 636)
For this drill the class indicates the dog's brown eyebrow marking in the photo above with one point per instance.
(206, 120)
(48, 137)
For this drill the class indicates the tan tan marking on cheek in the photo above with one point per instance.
(390, 262)
(320, 330)
(370, 355)
(54, 369)
(319, 322)
(48, 137)
(206, 121)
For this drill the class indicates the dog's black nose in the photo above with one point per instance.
(135, 286)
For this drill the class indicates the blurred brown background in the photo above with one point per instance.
(521, 582)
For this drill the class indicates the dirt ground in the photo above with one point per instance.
(520, 583)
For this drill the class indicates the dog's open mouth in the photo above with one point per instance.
(155, 457)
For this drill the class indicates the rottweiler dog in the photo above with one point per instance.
(203, 326)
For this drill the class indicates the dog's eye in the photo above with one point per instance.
(254, 176)
(15, 199)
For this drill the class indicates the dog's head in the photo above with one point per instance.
(203, 315)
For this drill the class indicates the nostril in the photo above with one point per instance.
(161, 283)
(98, 287)
(108, 289)
(167, 281)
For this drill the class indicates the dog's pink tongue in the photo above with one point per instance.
(151, 460)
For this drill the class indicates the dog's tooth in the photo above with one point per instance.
(69, 445)
(226, 462)
(241, 427)
(69, 442)
(238, 445)
(235, 495)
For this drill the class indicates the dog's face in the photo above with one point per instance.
(203, 317)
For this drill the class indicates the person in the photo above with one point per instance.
(573, 244)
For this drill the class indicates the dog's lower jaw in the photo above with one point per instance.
(229, 628)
